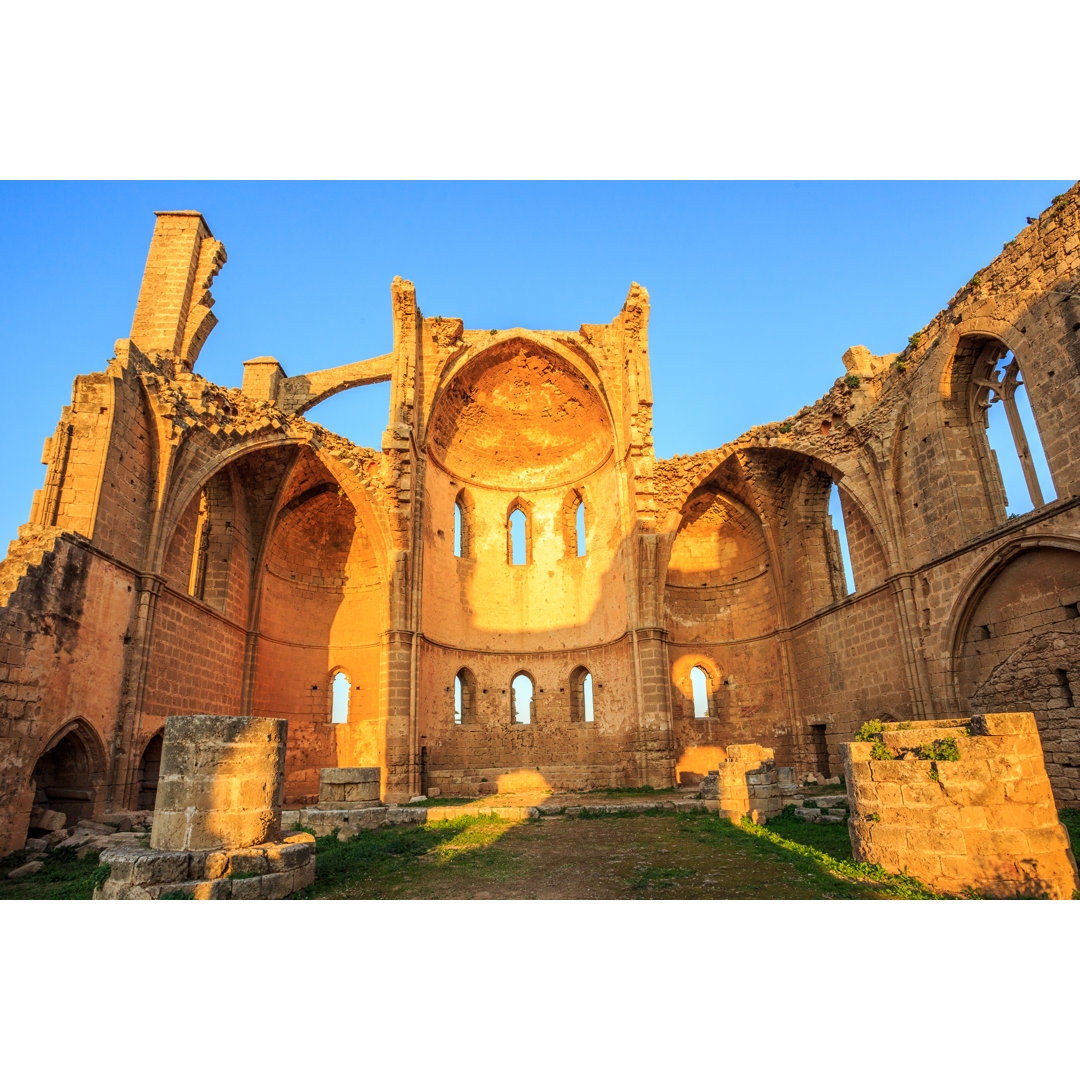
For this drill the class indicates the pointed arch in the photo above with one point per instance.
(522, 698)
(581, 696)
(573, 516)
(464, 697)
(464, 524)
(519, 538)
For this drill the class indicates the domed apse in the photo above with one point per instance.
(519, 417)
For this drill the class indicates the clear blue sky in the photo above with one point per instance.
(757, 288)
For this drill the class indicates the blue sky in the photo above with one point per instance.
(757, 288)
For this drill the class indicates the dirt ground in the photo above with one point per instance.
(645, 856)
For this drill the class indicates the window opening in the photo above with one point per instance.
(836, 517)
(197, 580)
(586, 692)
(464, 697)
(463, 525)
(518, 538)
(581, 529)
(521, 695)
(339, 712)
(1025, 473)
(699, 684)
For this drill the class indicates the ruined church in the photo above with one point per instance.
(512, 591)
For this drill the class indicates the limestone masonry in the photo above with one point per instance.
(512, 592)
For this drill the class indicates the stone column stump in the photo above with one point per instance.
(747, 783)
(217, 818)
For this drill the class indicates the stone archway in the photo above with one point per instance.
(69, 774)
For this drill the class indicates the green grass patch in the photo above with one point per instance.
(63, 877)
(380, 861)
(658, 877)
(825, 860)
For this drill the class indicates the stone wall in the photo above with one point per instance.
(198, 548)
(985, 822)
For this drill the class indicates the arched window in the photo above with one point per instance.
(699, 683)
(521, 699)
(581, 696)
(518, 534)
(838, 544)
(464, 696)
(463, 525)
(197, 579)
(339, 709)
(1010, 431)
(573, 524)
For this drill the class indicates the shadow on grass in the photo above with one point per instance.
(63, 877)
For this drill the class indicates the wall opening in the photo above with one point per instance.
(521, 699)
(339, 698)
(839, 532)
(64, 779)
(821, 749)
(463, 525)
(581, 696)
(580, 526)
(149, 771)
(1011, 431)
(1064, 686)
(464, 696)
(517, 531)
(197, 579)
(699, 683)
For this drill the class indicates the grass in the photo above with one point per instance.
(628, 792)
(393, 859)
(822, 851)
(63, 877)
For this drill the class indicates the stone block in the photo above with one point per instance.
(248, 862)
(28, 869)
(157, 867)
(47, 819)
(220, 784)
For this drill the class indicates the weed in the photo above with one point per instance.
(874, 817)
(913, 341)
(852, 381)
(905, 726)
(938, 750)
(870, 731)
(179, 894)
(881, 752)
(786, 427)
(901, 366)
(975, 281)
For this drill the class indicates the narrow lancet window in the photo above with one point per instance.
(519, 538)
(581, 529)
(836, 516)
(521, 696)
(339, 708)
(699, 684)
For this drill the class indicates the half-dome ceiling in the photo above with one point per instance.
(519, 417)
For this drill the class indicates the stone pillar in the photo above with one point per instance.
(221, 783)
(962, 805)
(747, 783)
